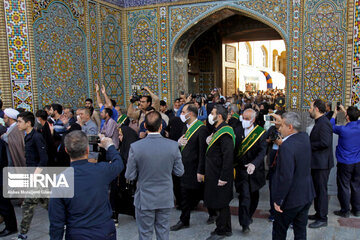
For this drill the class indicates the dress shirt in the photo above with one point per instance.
(188, 126)
(248, 130)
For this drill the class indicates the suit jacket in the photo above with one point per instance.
(256, 156)
(234, 123)
(193, 153)
(292, 184)
(90, 207)
(321, 139)
(152, 161)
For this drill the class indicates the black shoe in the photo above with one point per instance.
(211, 220)
(312, 217)
(356, 213)
(318, 224)
(6, 232)
(178, 226)
(245, 229)
(216, 237)
(228, 234)
(342, 214)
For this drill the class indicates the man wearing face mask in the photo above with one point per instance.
(193, 147)
(250, 152)
(216, 169)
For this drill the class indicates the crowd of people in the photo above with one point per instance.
(146, 159)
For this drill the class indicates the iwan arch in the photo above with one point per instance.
(56, 50)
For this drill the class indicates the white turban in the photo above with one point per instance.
(11, 113)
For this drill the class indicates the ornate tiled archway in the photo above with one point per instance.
(189, 22)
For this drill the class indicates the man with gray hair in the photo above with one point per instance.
(88, 214)
(292, 186)
(234, 117)
(250, 149)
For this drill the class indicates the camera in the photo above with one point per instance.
(268, 118)
(273, 136)
(93, 139)
(135, 97)
(338, 106)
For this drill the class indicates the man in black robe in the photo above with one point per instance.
(193, 147)
(249, 165)
(217, 171)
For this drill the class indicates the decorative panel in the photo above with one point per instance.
(112, 54)
(324, 52)
(164, 52)
(230, 80)
(94, 44)
(60, 51)
(355, 88)
(19, 55)
(144, 48)
(293, 83)
(275, 10)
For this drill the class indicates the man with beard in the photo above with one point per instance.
(193, 147)
(110, 126)
(55, 112)
(250, 168)
(216, 169)
(95, 115)
(14, 139)
(321, 162)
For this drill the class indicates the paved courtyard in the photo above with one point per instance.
(338, 229)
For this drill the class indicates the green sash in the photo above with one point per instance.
(122, 119)
(192, 130)
(250, 140)
(224, 130)
(236, 116)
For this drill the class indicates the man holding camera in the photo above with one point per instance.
(88, 214)
(144, 102)
(274, 140)
(249, 157)
(348, 166)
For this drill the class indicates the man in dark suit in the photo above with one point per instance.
(250, 168)
(217, 171)
(88, 214)
(321, 162)
(193, 148)
(152, 160)
(292, 187)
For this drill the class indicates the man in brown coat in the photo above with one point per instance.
(14, 139)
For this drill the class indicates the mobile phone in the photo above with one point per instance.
(268, 118)
(338, 106)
